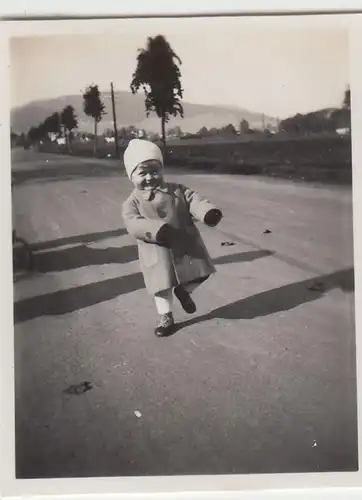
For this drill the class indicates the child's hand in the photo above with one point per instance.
(174, 239)
(213, 217)
(166, 235)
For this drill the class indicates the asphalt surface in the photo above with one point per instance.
(260, 380)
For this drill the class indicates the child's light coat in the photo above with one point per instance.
(144, 213)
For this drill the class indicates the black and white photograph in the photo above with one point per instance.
(183, 250)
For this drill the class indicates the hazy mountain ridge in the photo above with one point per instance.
(130, 110)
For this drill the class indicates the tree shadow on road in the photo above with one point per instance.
(278, 299)
(262, 304)
(242, 257)
(73, 299)
(78, 238)
(83, 256)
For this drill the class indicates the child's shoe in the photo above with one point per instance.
(185, 299)
(165, 326)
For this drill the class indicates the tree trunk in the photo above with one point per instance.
(95, 137)
(66, 136)
(69, 140)
(163, 135)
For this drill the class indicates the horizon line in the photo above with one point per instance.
(234, 107)
(185, 101)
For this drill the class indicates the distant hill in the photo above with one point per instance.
(318, 121)
(130, 110)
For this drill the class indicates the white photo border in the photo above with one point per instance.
(215, 485)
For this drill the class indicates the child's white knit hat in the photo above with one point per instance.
(138, 151)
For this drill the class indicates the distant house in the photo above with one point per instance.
(343, 131)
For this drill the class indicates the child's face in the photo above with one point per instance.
(148, 175)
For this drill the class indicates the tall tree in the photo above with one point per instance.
(94, 107)
(69, 122)
(36, 134)
(159, 76)
(43, 131)
(347, 99)
(52, 124)
(33, 134)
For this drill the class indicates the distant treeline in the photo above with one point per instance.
(63, 125)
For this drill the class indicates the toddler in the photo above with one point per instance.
(160, 215)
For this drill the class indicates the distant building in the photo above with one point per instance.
(343, 131)
(244, 127)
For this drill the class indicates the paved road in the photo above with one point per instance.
(260, 380)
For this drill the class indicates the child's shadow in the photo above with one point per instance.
(278, 299)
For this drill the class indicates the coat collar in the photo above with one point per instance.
(149, 195)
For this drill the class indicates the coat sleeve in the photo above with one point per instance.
(142, 229)
(198, 205)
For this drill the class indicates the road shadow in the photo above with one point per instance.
(83, 256)
(73, 299)
(262, 304)
(242, 257)
(78, 238)
(278, 299)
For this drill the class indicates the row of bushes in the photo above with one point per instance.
(325, 159)
(326, 151)
(311, 173)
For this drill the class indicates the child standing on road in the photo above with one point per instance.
(160, 215)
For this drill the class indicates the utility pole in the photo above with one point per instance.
(115, 122)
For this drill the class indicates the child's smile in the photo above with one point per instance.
(148, 175)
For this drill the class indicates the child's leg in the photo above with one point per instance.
(164, 301)
(183, 293)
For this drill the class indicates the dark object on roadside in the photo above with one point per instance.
(22, 256)
(78, 389)
(267, 231)
(317, 286)
(227, 243)
(88, 386)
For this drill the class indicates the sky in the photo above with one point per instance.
(277, 71)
